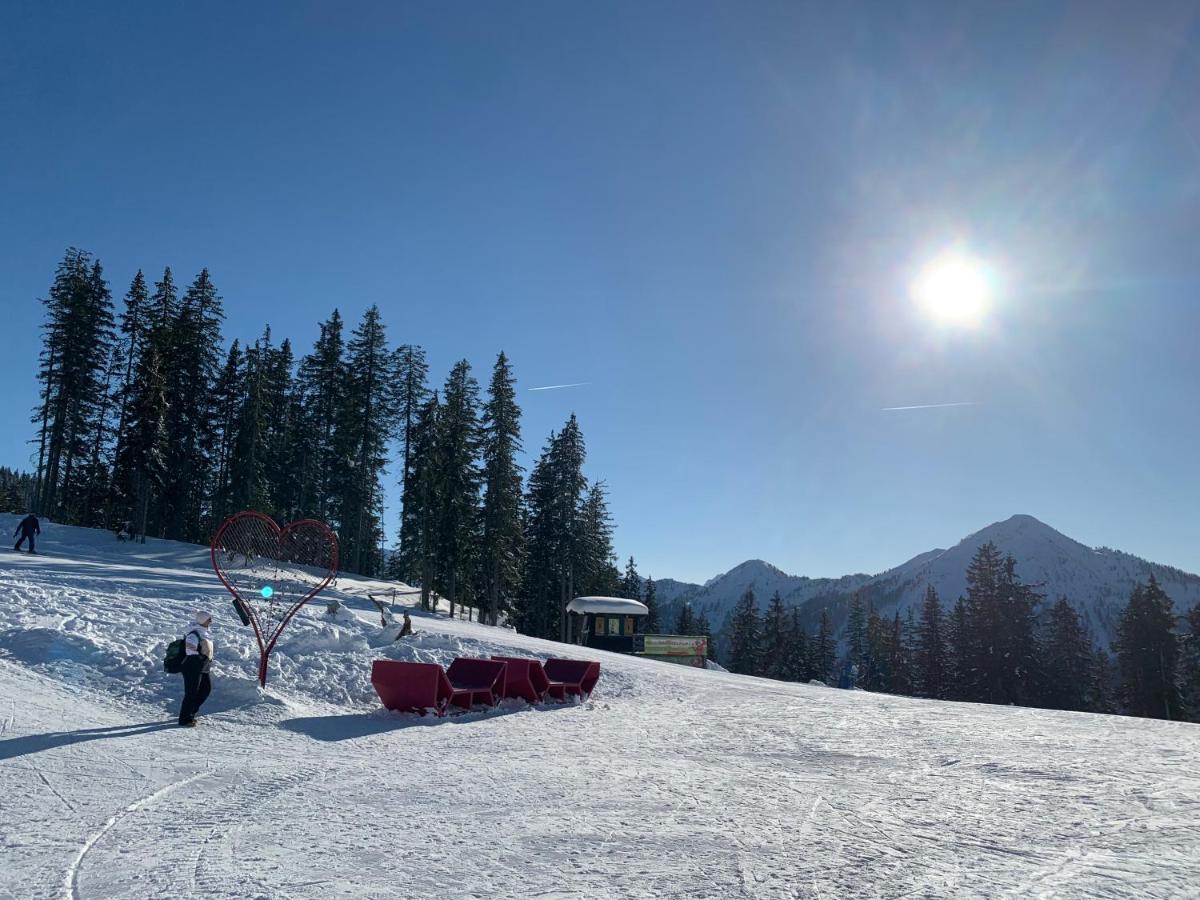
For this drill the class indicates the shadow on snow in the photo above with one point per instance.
(37, 743)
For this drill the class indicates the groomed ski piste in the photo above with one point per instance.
(669, 783)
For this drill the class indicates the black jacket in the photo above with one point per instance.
(29, 525)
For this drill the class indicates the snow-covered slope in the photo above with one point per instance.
(670, 783)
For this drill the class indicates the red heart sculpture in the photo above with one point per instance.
(273, 571)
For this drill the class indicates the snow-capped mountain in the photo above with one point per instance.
(717, 597)
(1097, 581)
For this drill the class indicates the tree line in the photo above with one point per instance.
(16, 491)
(147, 421)
(1001, 643)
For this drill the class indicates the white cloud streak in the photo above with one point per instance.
(559, 387)
(927, 406)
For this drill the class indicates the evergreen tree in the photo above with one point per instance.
(320, 378)
(227, 396)
(412, 374)
(365, 425)
(460, 481)
(1105, 684)
(248, 484)
(875, 674)
(16, 491)
(595, 558)
(650, 598)
(1000, 638)
(1147, 653)
(776, 639)
(823, 651)
(704, 629)
(1189, 666)
(131, 349)
(503, 541)
(797, 666)
(537, 614)
(960, 667)
(92, 490)
(1070, 660)
(931, 655)
(631, 582)
(684, 622)
(568, 535)
(73, 367)
(745, 636)
(282, 468)
(195, 344)
(900, 657)
(164, 310)
(423, 506)
(141, 456)
(856, 631)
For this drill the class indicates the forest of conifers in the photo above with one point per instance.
(147, 420)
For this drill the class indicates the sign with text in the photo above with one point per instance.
(671, 645)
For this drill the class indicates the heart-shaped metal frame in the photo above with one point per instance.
(266, 643)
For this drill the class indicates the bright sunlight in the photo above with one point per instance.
(953, 289)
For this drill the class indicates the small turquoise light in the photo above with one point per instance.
(267, 592)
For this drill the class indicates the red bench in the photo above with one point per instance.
(411, 687)
(476, 681)
(571, 677)
(524, 678)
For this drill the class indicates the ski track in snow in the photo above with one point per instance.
(71, 887)
(669, 783)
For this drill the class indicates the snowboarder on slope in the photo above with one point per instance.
(196, 682)
(28, 527)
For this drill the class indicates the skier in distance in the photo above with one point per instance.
(28, 527)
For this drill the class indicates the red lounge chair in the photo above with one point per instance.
(411, 687)
(572, 676)
(525, 678)
(476, 681)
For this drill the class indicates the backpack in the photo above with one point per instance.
(176, 654)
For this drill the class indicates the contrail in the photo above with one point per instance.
(555, 387)
(926, 406)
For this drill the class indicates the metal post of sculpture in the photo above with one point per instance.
(272, 572)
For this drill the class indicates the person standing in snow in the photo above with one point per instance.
(405, 629)
(198, 646)
(28, 527)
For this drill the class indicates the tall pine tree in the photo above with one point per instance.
(1147, 654)
(745, 637)
(502, 538)
(366, 424)
(1070, 660)
(931, 661)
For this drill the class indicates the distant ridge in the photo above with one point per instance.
(1097, 581)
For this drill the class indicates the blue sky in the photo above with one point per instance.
(709, 212)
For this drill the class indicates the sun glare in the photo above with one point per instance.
(953, 290)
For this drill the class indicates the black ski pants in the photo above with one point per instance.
(21, 540)
(196, 687)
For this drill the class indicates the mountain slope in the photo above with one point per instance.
(669, 783)
(1096, 581)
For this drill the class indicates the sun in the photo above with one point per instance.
(953, 289)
